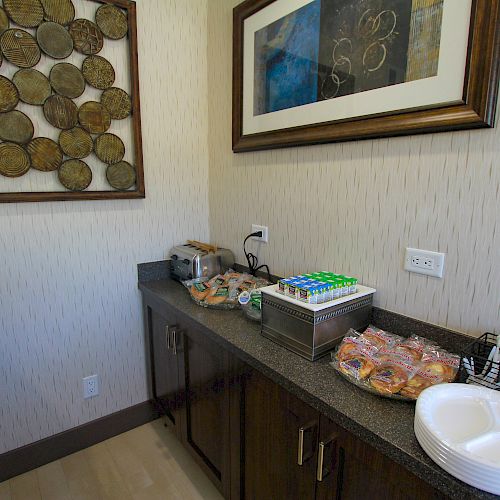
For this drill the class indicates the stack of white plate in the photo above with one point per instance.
(458, 426)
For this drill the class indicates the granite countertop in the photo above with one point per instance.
(385, 424)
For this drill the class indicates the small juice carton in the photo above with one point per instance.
(291, 289)
(282, 284)
(337, 289)
(305, 293)
(353, 284)
(345, 287)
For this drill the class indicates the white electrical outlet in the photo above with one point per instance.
(424, 262)
(90, 386)
(265, 233)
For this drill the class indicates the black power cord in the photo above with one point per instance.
(253, 262)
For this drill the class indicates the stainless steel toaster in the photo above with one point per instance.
(191, 261)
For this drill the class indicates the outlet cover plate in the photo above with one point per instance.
(424, 262)
(265, 233)
(90, 386)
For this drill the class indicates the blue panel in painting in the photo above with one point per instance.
(286, 61)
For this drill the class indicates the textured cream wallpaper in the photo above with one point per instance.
(354, 207)
(69, 304)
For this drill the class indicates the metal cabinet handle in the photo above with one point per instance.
(321, 458)
(174, 341)
(167, 336)
(300, 457)
(300, 448)
(321, 454)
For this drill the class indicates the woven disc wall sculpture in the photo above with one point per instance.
(4, 21)
(20, 48)
(76, 143)
(58, 11)
(98, 72)
(14, 161)
(117, 102)
(87, 37)
(45, 154)
(121, 175)
(75, 175)
(60, 112)
(59, 60)
(27, 13)
(109, 148)
(33, 86)
(9, 97)
(67, 80)
(94, 117)
(15, 126)
(54, 40)
(112, 21)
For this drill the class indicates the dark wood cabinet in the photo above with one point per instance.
(291, 451)
(253, 438)
(352, 468)
(189, 378)
(280, 442)
(165, 370)
(206, 404)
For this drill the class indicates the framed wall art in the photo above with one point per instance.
(70, 123)
(317, 71)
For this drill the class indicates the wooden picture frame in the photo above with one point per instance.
(139, 190)
(476, 108)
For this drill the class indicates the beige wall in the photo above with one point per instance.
(69, 303)
(354, 207)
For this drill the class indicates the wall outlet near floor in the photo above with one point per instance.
(90, 386)
(424, 262)
(265, 233)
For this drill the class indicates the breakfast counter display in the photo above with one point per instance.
(386, 425)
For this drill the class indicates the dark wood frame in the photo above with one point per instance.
(476, 111)
(140, 191)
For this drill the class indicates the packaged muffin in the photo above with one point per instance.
(420, 381)
(355, 356)
(357, 365)
(440, 363)
(380, 338)
(415, 346)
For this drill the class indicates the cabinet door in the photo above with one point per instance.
(353, 469)
(165, 373)
(206, 420)
(280, 442)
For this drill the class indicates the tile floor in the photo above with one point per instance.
(146, 463)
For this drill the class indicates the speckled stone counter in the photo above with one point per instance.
(385, 424)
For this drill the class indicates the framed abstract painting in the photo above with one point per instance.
(317, 71)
